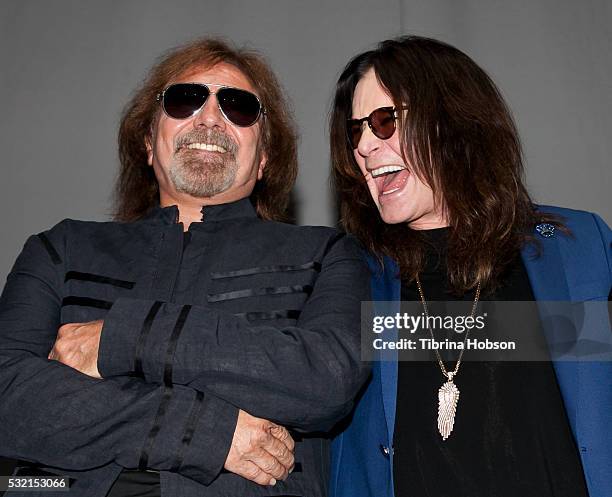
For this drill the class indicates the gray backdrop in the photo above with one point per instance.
(69, 66)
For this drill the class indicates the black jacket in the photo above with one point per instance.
(248, 314)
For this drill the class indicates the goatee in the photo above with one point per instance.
(201, 173)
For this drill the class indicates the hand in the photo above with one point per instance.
(261, 451)
(77, 346)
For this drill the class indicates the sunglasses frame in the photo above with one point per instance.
(160, 98)
(392, 109)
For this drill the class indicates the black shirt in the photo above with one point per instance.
(511, 435)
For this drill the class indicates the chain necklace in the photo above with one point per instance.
(448, 394)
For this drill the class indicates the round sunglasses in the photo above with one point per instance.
(183, 100)
(381, 121)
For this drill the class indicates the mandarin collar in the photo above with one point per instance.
(210, 213)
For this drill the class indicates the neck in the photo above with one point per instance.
(187, 213)
(190, 208)
(430, 222)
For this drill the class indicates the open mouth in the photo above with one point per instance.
(390, 179)
(207, 147)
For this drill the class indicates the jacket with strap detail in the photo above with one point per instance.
(250, 314)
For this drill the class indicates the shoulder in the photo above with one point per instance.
(69, 226)
(76, 237)
(589, 234)
(46, 251)
(580, 222)
(327, 240)
(588, 244)
(68, 229)
(316, 233)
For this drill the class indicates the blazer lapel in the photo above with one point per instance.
(550, 288)
(386, 293)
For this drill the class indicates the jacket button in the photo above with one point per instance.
(385, 450)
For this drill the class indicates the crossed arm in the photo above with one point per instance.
(37, 393)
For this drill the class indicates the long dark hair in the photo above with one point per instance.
(136, 189)
(458, 136)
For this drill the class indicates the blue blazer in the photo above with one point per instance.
(575, 269)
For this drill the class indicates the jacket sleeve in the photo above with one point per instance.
(54, 415)
(304, 376)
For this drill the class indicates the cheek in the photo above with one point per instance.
(394, 144)
(424, 194)
(246, 141)
(370, 181)
(360, 162)
(170, 129)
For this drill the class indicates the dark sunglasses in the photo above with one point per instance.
(183, 100)
(381, 121)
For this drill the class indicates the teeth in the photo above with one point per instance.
(385, 170)
(390, 191)
(206, 146)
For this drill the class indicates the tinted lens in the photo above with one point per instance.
(355, 129)
(239, 106)
(382, 122)
(184, 99)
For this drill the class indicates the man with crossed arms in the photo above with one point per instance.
(195, 328)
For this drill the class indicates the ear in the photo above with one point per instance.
(149, 148)
(262, 165)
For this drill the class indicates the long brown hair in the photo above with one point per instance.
(136, 189)
(458, 136)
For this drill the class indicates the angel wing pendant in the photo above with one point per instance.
(448, 396)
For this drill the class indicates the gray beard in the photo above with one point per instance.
(192, 174)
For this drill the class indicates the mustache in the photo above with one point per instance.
(211, 136)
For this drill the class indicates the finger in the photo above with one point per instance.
(55, 353)
(251, 471)
(69, 329)
(69, 326)
(61, 353)
(280, 452)
(269, 464)
(281, 433)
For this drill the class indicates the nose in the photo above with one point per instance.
(209, 115)
(369, 143)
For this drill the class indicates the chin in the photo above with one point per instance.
(393, 217)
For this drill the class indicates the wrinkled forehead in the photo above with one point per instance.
(369, 94)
